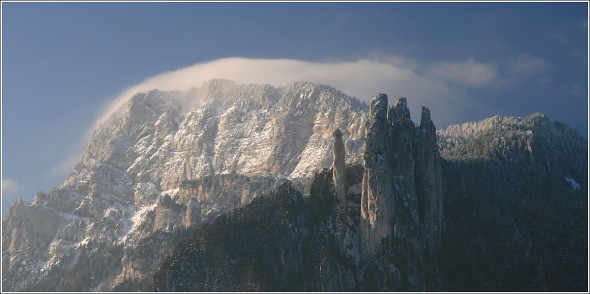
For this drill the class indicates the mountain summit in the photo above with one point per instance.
(163, 159)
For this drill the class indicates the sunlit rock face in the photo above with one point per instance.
(164, 163)
(378, 198)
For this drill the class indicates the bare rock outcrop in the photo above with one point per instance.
(403, 162)
(429, 188)
(193, 214)
(339, 168)
(377, 200)
(402, 182)
(347, 200)
(167, 214)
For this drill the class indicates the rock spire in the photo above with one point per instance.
(339, 168)
(429, 183)
(377, 198)
(402, 182)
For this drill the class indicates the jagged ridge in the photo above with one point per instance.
(159, 159)
(134, 192)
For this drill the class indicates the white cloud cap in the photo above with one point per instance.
(9, 186)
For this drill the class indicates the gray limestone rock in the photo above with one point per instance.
(429, 187)
(377, 201)
(339, 168)
(228, 141)
(167, 214)
(402, 183)
(403, 162)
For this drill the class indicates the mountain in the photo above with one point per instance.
(231, 187)
(161, 165)
(342, 237)
(518, 188)
(513, 216)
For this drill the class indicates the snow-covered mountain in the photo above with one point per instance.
(165, 162)
(550, 146)
(516, 193)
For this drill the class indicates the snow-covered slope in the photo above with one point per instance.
(516, 198)
(164, 162)
(550, 146)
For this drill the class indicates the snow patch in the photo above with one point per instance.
(82, 243)
(135, 221)
(146, 188)
(172, 192)
(41, 264)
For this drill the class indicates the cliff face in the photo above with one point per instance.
(377, 201)
(513, 223)
(429, 185)
(377, 245)
(165, 168)
(493, 237)
(166, 162)
(281, 241)
(402, 183)
(339, 168)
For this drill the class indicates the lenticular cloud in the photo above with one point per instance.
(362, 78)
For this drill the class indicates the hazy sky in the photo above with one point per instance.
(64, 63)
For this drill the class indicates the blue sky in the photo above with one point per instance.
(62, 63)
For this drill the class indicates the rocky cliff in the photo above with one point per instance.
(343, 246)
(225, 187)
(377, 202)
(402, 184)
(339, 168)
(160, 166)
(429, 184)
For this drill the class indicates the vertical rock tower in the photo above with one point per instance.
(429, 183)
(402, 161)
(339, 168)
(377, 199)
(346, 227)
(402, 183)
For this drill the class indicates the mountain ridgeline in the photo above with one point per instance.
(232, 187)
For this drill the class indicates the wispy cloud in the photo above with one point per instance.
(66, 165)
(521, 70)
(577, 90)
(73, 155)
(10, 186)
(526, 65)
(440, 85)
(463, 73)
